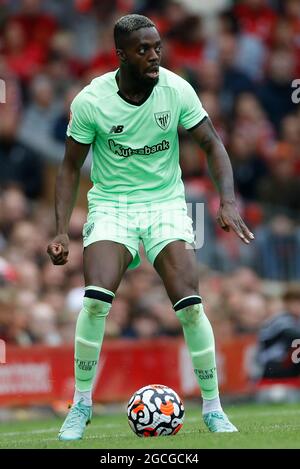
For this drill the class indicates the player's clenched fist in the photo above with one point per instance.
(58, 249)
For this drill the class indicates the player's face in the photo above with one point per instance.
(143, 54)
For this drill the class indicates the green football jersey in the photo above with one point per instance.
(135, 147)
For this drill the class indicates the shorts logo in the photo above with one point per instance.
(163, 119)
(88, 230)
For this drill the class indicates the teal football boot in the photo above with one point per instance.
(74, 425)
(218, 422)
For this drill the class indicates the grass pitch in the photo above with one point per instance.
(260, 426)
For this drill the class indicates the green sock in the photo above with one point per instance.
(200, 341)
(89, 335)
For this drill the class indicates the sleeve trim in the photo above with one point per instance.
(197, 125)
(78, 141)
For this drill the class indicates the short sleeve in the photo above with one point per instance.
(192, 111)
(81, 126)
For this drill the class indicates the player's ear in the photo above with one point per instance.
(121, 54)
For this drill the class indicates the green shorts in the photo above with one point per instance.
(154, 228)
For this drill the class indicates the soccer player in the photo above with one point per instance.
(130, 117)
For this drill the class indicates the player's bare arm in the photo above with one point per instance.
(67, 183)
(220, 169)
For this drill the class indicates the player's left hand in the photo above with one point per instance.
(229, 218)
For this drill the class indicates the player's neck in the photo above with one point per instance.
(130, 88)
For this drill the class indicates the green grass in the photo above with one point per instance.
(260, 426)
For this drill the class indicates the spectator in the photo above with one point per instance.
(14, 207)
(43, 325)
(37, 25)
(39, 117)
(251, 314)
(248, 167)
(251, 122)
(278, 249)
(275, 91)
(280, 188)
(276, 337)
(22, 58)
(61, 122)
(257, 18)
(235, 81)
(20, 165)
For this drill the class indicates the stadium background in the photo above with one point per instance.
(241, 57)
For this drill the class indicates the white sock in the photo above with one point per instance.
(84, 396)
(211, 405)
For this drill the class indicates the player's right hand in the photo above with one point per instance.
(58, 249)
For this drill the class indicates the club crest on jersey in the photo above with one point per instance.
(163, 119)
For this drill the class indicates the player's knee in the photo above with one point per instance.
(188, 310)
(183, 286)
(97, 303)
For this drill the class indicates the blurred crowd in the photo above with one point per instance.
(242, 57)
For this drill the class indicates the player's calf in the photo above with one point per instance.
(199, 338)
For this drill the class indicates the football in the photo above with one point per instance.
(155, 410)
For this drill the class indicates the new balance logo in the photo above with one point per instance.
(116, 129)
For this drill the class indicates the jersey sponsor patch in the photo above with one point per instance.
(121, 150)
(163, 119)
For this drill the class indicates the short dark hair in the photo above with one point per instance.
(129, 23)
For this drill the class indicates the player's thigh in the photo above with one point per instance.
(177, 266)
(104, 264)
